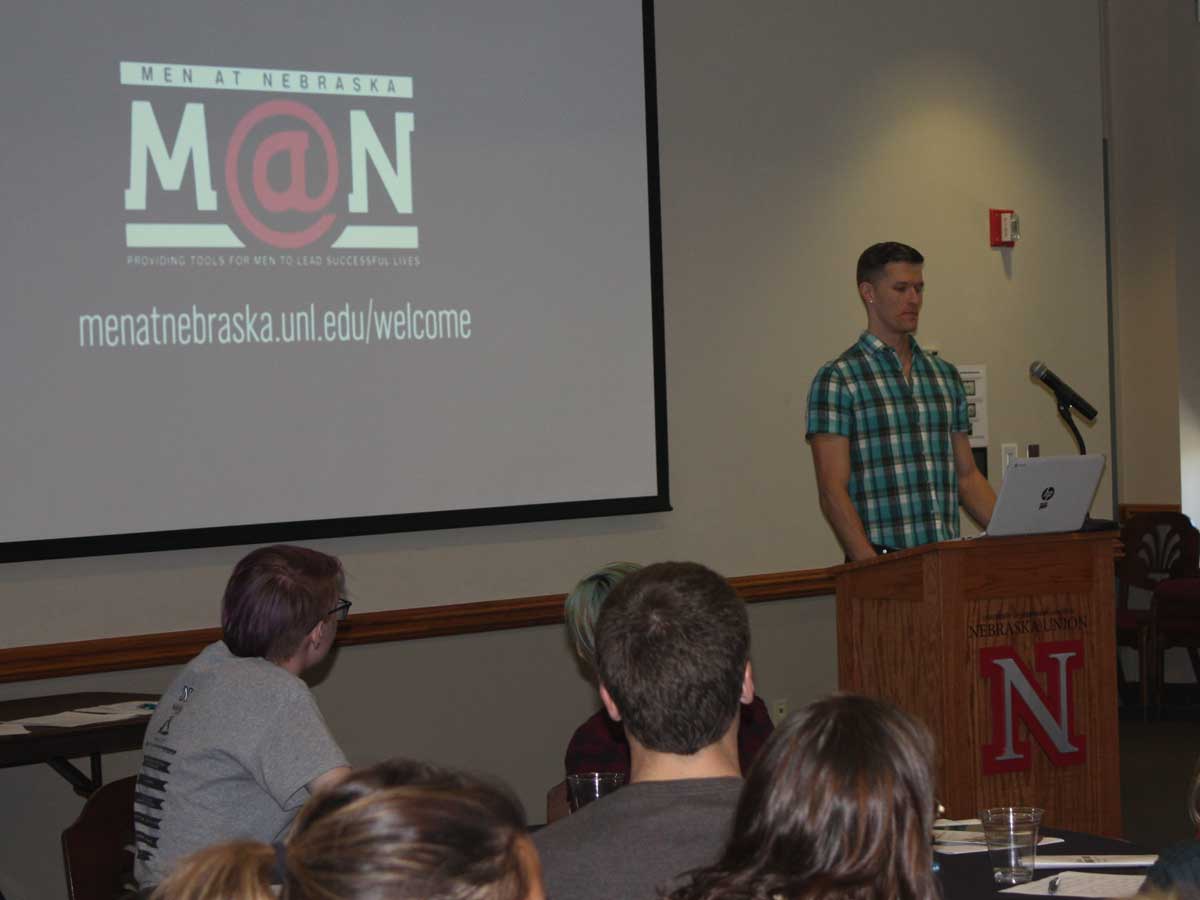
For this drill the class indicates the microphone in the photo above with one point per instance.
(1066, 396)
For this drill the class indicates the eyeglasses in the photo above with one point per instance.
(341, 610)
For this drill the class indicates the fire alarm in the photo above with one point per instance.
(1004, 227)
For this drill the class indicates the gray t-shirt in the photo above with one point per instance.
(228, 755)
(624, 846)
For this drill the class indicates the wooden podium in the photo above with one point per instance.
(1005, 648)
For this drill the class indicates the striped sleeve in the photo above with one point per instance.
(830, 408)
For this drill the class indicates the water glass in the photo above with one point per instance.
(584, 788)
(1012, 836)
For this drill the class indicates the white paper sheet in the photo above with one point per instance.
(1094, 860)
(972, 847)
(70, 719)
(122, 710)
(92, 715)
(1082, 884)
(8, 728)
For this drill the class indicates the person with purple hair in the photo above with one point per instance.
(237, 744)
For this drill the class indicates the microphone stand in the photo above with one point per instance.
(1064, 410)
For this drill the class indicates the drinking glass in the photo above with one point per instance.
(584, 788)
(1012, 836)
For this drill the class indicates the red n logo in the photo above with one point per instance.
(1048, 715)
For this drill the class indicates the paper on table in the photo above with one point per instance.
(1082, 884)
(945, 836)
(121, 710)
(69, 719)
(7, 728)
(1095, 861)
(94, 715)
(951, 823)
(973, 847)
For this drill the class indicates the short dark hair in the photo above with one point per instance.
(875, 259)
(672, 643)
(275, 596)
(838, 804)
(1176, 873)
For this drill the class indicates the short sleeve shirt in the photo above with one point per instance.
(635, 843)
(228, 755)
(903, 482)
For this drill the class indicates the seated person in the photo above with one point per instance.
(599, 745)
(237, 743)
(401, 830)
(838, 806)
(673, 660)
(1175, 874)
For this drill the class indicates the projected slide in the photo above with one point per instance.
(274, 271)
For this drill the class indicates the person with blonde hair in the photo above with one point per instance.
(402, 830)
(838, 806)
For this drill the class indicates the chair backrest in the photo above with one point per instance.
(97, 847)
(556, 803)
(1158, 545)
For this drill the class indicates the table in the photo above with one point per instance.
(55, 746)
(968, 876)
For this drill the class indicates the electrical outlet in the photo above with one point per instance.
(779, 709)
(1008, 456)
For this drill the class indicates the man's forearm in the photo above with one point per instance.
(846, 523)
(977, 497)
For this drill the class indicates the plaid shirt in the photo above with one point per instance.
(902, 477)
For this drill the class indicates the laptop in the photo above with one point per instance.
(1046, 494)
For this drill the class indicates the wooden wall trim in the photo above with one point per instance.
(1126, 511)
(171, 648)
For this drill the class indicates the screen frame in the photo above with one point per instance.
(273, 532)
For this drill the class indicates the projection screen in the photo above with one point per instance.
(280, 271)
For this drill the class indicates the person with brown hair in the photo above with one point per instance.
(888, 423)
(838, 806)
(673, 660)
(402, 830)
(599, 744)
(237, 744)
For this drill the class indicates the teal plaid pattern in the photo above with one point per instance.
(902, 477)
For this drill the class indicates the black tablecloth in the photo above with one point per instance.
(968, 876)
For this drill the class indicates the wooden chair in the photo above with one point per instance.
(1175, 622)
(98, 846)
(1161, 548)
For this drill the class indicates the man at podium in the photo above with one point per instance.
(888, 424)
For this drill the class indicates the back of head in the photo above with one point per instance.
(275, 596)
(583, 605)
(1176, 873)
(838, 806)
(874, 260)
(672, 644)
(400, 830)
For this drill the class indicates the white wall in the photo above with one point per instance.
(1184, 93)
(792, 135)
(1148, 45)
